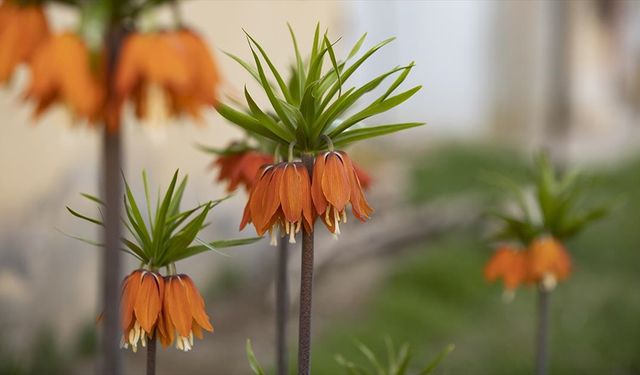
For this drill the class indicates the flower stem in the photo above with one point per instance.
(306, 289)
(151, 355)
(282, 309)
(111, 270)
(542, 345)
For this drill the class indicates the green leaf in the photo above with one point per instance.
(134, 214)
(334, 62)
(253, 361)
(356, 47)
(436, 361)
(221, 244)
(248, 123)
(274, 71)
(374, 109)
(147, 197)
(351, 136)
(87, 218)
(371, 357)
(247, 67)
(93, 198)
(265, 119)
(299, 77)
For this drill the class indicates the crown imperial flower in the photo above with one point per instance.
(509, 264)
(184, 313)
(241, 168)
(335, 183)
(142, 293)
(280, 200)
(549, 262)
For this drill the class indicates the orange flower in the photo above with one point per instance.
(335, 183)
(509, 264)
(22, 29)
(280, 199)
(142, 294)
(183, 315)
(166, 74)
(241, 168)
(61, 72)
(548, 262)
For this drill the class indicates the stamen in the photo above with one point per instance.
(344, 216)
(292, 234)
(326, 216)
(336, 221)
(298, 226)
(274, 237)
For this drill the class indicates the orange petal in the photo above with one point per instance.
(196, 302)
(319, 201)
(130, 290)
(176, 303)
(290, 191)
(335, 181)
(148, 302)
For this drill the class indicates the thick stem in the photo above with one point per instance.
(306, 289)
(282, 308)
(111, 256)
(151, 355)
(111, 272)
(542, 337)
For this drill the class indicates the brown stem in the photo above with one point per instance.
(306, 289)
(282, 308)
(151, 355)
(111, 270)
(542, 337)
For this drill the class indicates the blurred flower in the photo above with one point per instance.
(548, 262)
(184, 314)
(142, 294)
(509, 264)
(280, 200)
(241, 168)
(166, 74)
(22, 29)
(61, 72)
(335, 184)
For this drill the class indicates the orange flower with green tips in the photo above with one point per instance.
(22, 29)
(510, 265)
(142, 293)
(548, 262)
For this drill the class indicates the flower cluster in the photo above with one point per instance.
(163, 73)
(169, 308)
(286, 198)
(543, 263)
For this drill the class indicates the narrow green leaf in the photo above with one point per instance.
(87, 218)
(93, 198)
(334, 62)
(300, 76)
(356, 47)
(266, 120)
(436, 361)
(147, 197)
(253, 361)
(247, 67)
(274, 71)
(221, 244)
(351, 136)
(247, 122)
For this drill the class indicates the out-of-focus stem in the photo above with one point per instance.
(282, 308)
(306, 289)
(542, 337)
(112, 183)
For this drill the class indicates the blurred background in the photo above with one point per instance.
(502, 79)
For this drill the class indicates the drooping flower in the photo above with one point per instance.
(548, 262)
(142, 295)
(184, 313)
(22, 29)
(241, 168)
(61, 72)
(335, 183)
(166, 74)
(280, 200)
(509, 264)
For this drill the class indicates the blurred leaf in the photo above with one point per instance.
(253, 361)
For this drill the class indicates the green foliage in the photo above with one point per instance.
(397, 361)
(557, 199)
(170, 234)
(306, 106)
(253, 361)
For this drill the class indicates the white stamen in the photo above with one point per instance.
(292, 234)
(549, 282)
(336, 221)
(274, 237)
(298, 226)
(344, 216)
(326, 216)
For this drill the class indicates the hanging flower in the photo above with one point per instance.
(548, 262)
(509, 264)
(166, 74)
(280, 200)
(142, 294)
(184, 314)
(61, 72)
(22, 29)
(241, 168)
(335, 184)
